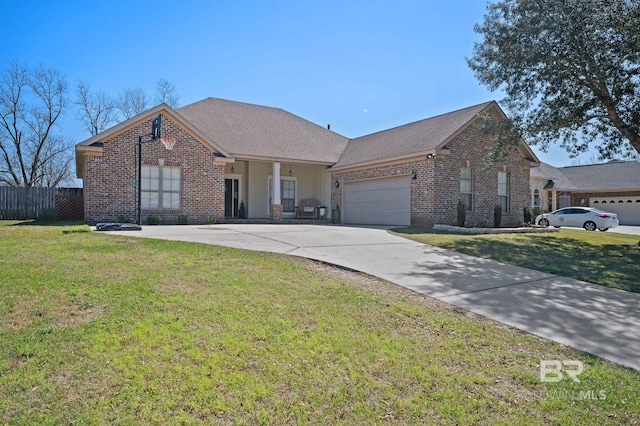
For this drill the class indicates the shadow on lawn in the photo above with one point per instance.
(611, 265)
(49, 223)
(590, 317)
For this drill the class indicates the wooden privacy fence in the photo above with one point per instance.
(25, 203)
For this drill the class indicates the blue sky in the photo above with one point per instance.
(361, 66)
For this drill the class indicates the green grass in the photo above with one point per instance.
(99, 329)
(607, 259)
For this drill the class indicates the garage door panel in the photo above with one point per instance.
(378, 202)
(628, 210)
(386, 196)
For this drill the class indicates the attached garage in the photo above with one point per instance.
(378, 202)
(627, 208)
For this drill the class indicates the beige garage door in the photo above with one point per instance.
(378, 202)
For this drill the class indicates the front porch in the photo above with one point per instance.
(272, 191)
(236, 221)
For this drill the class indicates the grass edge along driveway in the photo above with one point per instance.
(606, 259)
(105, 329)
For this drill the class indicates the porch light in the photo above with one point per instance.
(414, 175)
(430, 156)
(337, 183)
(290, 172)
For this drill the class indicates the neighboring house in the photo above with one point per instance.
(612, 186)
(228, 153)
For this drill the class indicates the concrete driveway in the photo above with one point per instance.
(626, 229)
(596, 319)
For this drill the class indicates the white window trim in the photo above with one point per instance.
(160, 191)
(269, 180)
(533, 198)
(506, 194)
(471, 185)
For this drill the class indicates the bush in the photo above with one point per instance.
(462, 213)
(124, 219)
(242, 211)
(183, 219)
(497, 216)
(527, 216)
(153, 220)
(211, 220)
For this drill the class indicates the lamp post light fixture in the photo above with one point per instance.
(155, 135)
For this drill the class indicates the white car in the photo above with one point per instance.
(580, 217)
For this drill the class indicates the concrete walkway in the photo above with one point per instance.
(596, 319)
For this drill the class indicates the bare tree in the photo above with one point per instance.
(31, 103)
(132, 102)
(166, 93)
(56, 171)
(97, 110)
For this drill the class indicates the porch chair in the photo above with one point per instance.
(307, 208)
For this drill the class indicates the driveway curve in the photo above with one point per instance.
(596, 319)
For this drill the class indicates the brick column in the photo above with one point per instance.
(276, 212)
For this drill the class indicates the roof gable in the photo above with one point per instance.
(94, 144)
(259, 132)
(417, 138)
(136, 120)
(255, 132)
(554, 175)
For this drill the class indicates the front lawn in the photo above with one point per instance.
(101, 329)
(607, 259)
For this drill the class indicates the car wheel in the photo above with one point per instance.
(543, 222)
(590, 226)
(603, 229)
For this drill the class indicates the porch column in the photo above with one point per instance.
(554, 201)
(275, 210)
(277, 199)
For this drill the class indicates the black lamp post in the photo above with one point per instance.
(154, 135)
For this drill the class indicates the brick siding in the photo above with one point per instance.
(422, 205)
(436, 191)
(110, 193)
(275, 212)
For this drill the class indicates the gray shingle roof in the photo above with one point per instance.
(608, 176)
(256, 132)
(553, 174)
(613, 175)
(260, 132)
(412, 138)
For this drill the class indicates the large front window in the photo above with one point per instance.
(466, 187)
(160, 188)
(287, 194)
(503, 191)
